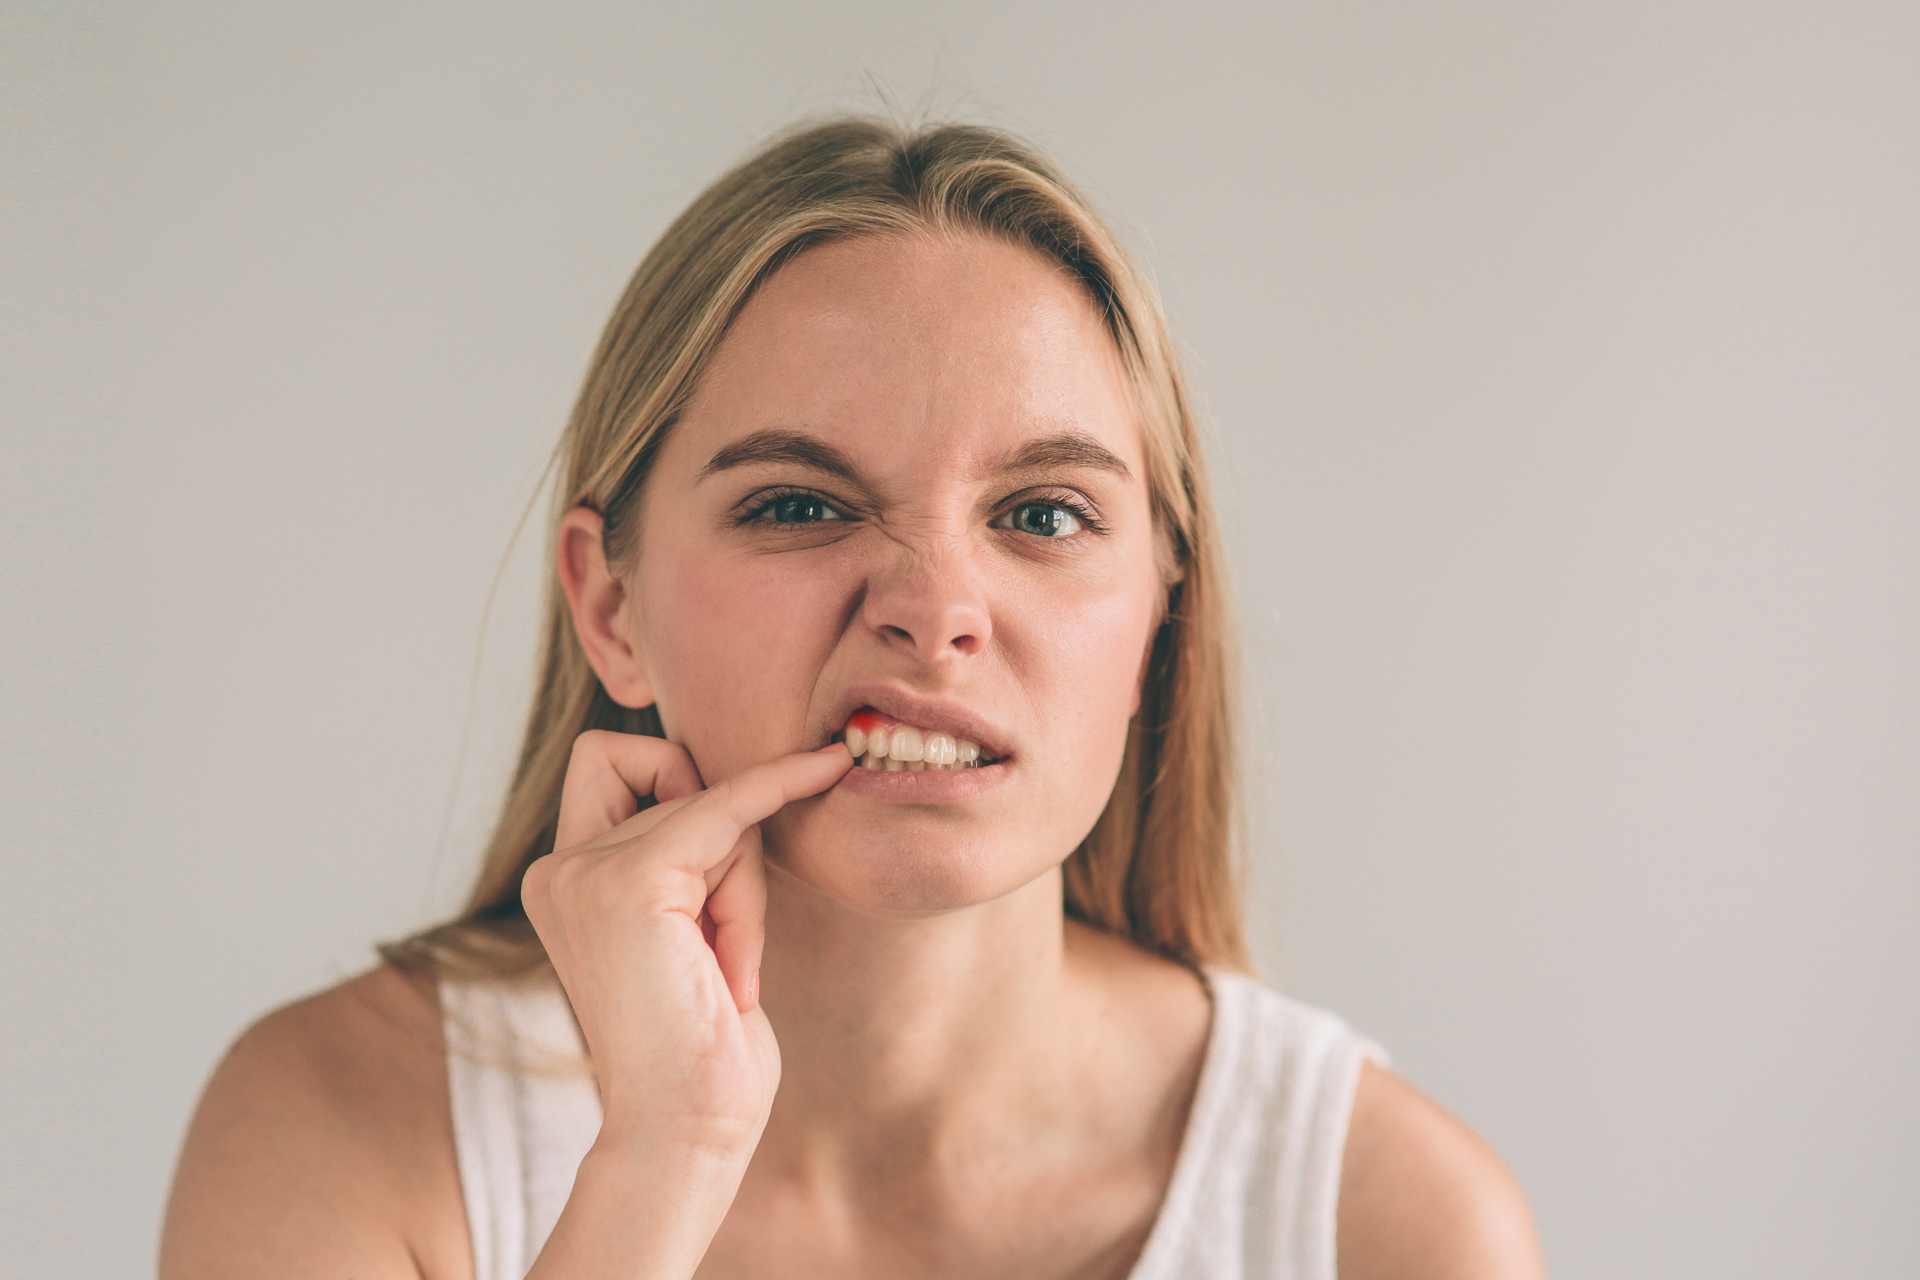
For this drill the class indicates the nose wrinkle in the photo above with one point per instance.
(915, 601)
(854, 609)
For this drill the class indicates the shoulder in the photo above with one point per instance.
(310, 1114)
(1422, 1195)
(370, 1045)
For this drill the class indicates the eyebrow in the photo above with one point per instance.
(1072, 448)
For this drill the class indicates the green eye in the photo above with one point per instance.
(791, 504)
(1059, 512)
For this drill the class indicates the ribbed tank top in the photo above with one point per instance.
(1254, 1187)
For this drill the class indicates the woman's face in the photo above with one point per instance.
(765, 590)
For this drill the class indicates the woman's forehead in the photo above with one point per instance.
(976, 347)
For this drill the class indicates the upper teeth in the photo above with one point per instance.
(891, 745)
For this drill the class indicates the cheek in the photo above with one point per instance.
(730, 656)
(1089, 642)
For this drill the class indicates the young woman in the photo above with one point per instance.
(866, 901)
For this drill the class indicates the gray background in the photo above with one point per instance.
(1559, 363)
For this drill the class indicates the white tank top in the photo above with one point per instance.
(1253, 1193)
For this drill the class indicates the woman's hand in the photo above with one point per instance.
(654, 920)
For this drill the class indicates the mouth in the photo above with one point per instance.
(880, 741)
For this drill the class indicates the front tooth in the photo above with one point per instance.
(856, 740)
(907, 744)
(879, 741)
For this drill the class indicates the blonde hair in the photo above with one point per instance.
(1164, 864)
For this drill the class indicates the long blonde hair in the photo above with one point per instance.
(1164, 864)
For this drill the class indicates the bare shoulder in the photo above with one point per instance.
(305, 1144)
(1421, 1194)
(371, 1046)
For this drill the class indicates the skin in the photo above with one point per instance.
(939, 1020)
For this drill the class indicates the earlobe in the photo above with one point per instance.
(600, 608)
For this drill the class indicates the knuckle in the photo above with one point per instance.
(731, 796)
(533, 880)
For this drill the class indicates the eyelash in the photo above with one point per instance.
(1065, 502)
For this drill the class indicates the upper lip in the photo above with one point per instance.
(923, 712)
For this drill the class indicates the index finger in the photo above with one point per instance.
(711, 823)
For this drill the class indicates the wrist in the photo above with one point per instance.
(694, 1152)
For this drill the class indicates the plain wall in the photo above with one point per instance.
(1559, 368)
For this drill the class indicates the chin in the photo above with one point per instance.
(930, 875)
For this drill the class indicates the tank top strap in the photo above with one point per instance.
(1256, 1185)
(526, 1110)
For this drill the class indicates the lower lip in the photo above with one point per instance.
(923, 786)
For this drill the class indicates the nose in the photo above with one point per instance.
(927, 603)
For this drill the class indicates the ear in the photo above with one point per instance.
(601, 608)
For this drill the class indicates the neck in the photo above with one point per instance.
(914, 1049)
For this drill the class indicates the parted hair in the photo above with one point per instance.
(1165, 863)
